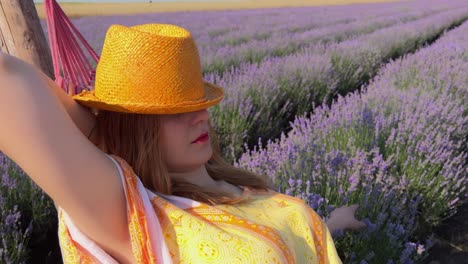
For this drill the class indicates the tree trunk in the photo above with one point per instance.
(21, 34)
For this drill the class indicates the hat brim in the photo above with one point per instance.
(213, 95)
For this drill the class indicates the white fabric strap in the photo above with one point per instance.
(94, 249)
(157, 239)
(180, 202)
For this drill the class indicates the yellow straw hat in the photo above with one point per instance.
(150, 69)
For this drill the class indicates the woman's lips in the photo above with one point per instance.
(202, 138)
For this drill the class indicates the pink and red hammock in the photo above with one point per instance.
(67, 54)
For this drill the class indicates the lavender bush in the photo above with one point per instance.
(397, 149)
(26, 213)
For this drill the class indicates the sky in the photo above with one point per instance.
(120, 1)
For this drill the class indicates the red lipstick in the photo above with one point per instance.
(202, 138)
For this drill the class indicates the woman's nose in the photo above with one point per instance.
(201, 115)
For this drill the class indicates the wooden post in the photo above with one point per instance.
(21, 34)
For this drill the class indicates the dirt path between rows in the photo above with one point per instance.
(451, 246)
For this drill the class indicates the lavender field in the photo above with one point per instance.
(398, 149)
(361, 104)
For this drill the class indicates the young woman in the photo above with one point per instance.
(143, 181)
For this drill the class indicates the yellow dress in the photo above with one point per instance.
(270, 228)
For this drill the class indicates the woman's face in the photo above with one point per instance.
(178, 140)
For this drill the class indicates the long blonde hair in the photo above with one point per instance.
(135, 138)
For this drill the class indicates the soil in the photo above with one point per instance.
(451, 245)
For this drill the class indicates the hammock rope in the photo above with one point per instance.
(67, 54)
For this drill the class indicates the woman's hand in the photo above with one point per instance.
(343, 218)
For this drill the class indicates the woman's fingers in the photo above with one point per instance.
(345, 216)
(354, 223)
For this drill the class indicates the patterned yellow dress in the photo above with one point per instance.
(270, 228)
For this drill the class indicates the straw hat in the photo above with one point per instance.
(150, 69)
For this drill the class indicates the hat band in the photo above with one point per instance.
(199, 101)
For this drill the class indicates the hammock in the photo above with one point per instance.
(67, 54)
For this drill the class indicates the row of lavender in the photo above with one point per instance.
(278, 23)
(218, 59)
(398, 149)
(234, 28)
(261, 99)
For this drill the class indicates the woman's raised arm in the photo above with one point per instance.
(37, 134)
(81, 115)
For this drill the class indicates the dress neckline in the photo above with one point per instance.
(187, 203)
